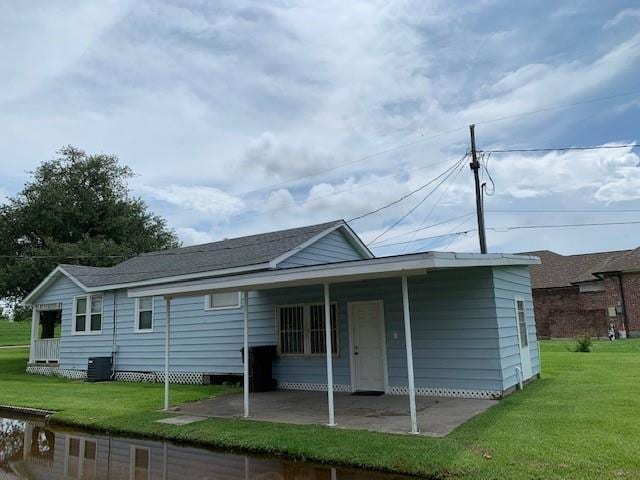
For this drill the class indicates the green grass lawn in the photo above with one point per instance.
(581, 420)
(14, 333)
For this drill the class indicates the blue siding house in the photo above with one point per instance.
(432, 323)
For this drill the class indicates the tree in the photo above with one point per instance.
(77, 208)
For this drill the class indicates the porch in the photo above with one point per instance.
(45, 334)
(436, 416)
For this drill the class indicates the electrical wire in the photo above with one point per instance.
(510, 228)
(426, 227)
(551, 108)
(404, 197)
(559, 149)
(437, 202)
(459, 163)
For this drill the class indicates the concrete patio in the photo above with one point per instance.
(437, 416)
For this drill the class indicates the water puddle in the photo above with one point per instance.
(35, 450)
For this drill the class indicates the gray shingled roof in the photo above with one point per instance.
(235, 252)
(565, 270)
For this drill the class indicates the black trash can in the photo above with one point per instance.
(261, 367)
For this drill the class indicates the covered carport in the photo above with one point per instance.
(399, 267)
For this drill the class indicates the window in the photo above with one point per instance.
(87, 317)
(219, 301)
(522, 323)
(80, 458)
(140, 463)
(301, 329)
(144, 314)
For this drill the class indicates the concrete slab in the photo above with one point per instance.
(437, 416)
(182, 420)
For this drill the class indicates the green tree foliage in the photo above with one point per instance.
(74, 205)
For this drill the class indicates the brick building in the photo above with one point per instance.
(575, 294)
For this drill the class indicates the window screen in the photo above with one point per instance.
(317, 330)
(291, 329)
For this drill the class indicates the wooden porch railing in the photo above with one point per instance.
(46, 350)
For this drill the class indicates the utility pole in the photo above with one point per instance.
(475, 166)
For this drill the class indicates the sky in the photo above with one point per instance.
(243, 117)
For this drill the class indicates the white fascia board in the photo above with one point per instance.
(334, 273)
(45, 283)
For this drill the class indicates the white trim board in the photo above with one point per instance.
(382, 267)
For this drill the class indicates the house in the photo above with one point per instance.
(575, 294)
(431, 323)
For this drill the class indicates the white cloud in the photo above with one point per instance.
(235, 96)
(207, 200)
(191, 236)
(627, 13)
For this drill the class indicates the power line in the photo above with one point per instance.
(404, 197)
(425, 139)
(459, 163)
(559, 107)
(435, 205)
(560, 149)
(622, 210)
(373, 244)
(506, 229)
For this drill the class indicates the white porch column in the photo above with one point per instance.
(35, 323)
(167, 338)
(245, 295)
(329, 348)
(409, 347)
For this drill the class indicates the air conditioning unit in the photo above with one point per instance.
(99, 369)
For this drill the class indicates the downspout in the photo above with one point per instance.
(113, 345)
(625, 319)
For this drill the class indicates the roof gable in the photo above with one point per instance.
(231, 256)
(566, 270)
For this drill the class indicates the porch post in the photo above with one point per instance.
(329, 349)
(245, 295)
(407, 336)
(167, 337)
(35, 322)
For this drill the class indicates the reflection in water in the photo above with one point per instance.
(29, 450)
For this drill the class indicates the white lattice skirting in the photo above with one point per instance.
(399, 390)
(313, 387)
(58, 372)
(447, 392)
(198, 378)
(149, 377)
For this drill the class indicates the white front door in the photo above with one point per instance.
(523, 339)
(368, 346)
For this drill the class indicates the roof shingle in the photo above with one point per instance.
(565, 270)
(225, 254)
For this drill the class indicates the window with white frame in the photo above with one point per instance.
(140, 468)
(144, 314)
(301, 329)
(522, 323)
(219, 301)
(87, 316)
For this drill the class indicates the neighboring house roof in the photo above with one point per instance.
(567, 270)
(254, 252)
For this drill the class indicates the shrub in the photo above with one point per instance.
(583, 343)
